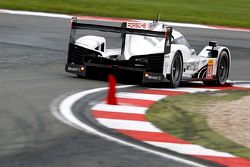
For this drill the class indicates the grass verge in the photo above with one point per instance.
(181, 117)
(214, 12)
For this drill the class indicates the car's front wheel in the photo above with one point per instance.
(222, 70)
(176, 70)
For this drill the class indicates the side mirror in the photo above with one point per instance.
(213, 44)
(193, 52)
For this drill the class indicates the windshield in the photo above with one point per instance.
(181, 41)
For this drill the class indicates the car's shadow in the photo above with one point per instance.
(128, 79)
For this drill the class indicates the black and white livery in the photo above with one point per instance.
(154, 50)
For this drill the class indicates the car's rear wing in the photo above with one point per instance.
(122, 30)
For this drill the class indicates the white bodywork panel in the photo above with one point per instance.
(91, 42)
(141, 45)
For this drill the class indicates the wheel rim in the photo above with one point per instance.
(176, 69)
(223, 69)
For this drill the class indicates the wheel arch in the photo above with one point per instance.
(176, 73)
(169, 59)
(179, 51)
(221, 49)
(229, 54)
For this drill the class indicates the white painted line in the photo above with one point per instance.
(241, 81)
(66, 113)
(120, 108)
(141, 96)
(128, 125)
(242, 85)
(28, 13)
(188, 25)
(190, 149)
(189, 90)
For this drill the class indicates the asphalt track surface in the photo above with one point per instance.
(33, 51)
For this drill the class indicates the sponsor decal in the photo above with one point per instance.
(210, 62)
(210, 67)
(204, 61)
(153, 77)
(192, 66)
(137, 25)
(167, 56)
(73, 69)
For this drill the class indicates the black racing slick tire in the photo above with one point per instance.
(175, 75)
(222, 70)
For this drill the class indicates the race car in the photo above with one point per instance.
(154, 50)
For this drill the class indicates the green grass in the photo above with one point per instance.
(215, 12)
(180, 116)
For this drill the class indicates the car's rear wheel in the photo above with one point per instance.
(222, 70)
(176, 70)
